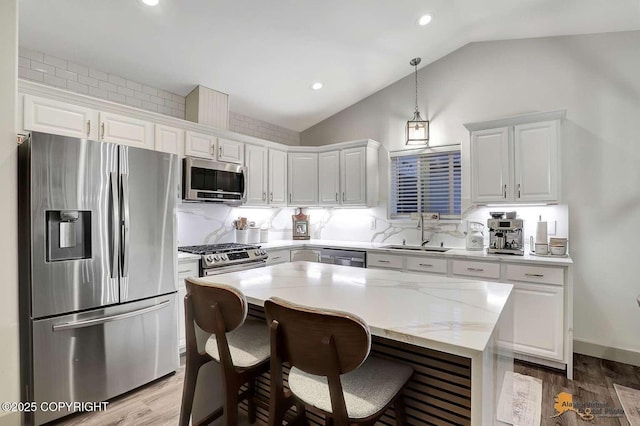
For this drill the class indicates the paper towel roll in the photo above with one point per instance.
(541, 232)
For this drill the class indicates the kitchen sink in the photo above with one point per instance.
(417, 248)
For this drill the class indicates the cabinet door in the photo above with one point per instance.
(380, 260)
(303, 179)
(169, 139)
(230, 151)
(277, 256)
(536, 161)
(256, 161)
(490, 166)
(277, 178)
(126, 130)
(329, 178)
(200, 145)
(354, 176)
(59, 118)
(186, 269)
(538, 321)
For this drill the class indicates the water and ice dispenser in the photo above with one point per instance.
(68, 235)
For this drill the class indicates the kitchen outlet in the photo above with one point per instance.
(373, 223)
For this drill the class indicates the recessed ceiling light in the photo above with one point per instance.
(316, 86)
(424, 20)
(151, 2)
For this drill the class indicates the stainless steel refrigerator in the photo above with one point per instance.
(97, 269)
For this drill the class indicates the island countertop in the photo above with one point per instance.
(448, 314)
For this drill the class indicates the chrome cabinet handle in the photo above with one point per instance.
(428, 265)
(102, 131)
(336, 196)
(533, 275)
(289, 198)
(383, 261)
(505, 191)
(264, 196)
(519, 191)
(88, 127)
(272, 196)
(475, 269)
(343, 198)
(220, 151)
(276, 257)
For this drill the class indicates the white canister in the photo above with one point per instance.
(242, 236)
(254, 235)
(264, 235)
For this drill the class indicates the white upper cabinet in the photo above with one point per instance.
(169, 139)
(200, 145)
(59, 118)
(277, 177)
(490, 165)
(125, 130)
(353, 182)
(230, 151)
(516, 159)
(303, 179)
(256, 162)
(536, 161)
(329, 178)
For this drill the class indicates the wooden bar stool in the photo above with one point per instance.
(330, 367)
(241, 347)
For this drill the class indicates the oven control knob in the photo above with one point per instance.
(216, 257)
(223, 257)
(257, 252)
(208, 258)
(262, 252)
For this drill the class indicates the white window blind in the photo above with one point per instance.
(426, 183)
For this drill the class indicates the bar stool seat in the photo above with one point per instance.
(367, 389)
(249, 345)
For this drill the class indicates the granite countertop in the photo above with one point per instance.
(449, 314)
(452, 253)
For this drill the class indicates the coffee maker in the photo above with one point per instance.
(505, 235)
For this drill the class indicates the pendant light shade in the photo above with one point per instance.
(417, 132)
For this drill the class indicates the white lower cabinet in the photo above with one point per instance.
(538, 321)
(475, 269)
(427, 264)
(277, 256)
(186, 268)
(380, 260)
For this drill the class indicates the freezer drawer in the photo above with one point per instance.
(96, 355)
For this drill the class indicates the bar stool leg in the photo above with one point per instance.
(188, 391)
(399, 409)
(231, 406)
(251, 401)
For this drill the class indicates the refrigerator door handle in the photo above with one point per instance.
(98, 321)
(124, 201)
(113, 177)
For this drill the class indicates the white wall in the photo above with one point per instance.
(9, 365)
(596, 78)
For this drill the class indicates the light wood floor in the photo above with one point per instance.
(159, 402)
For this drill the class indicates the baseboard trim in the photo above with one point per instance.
(624, 356)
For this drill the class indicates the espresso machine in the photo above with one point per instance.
(505, 235)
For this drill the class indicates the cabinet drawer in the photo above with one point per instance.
(536, 274)
(427, 264)
(476, 269)
(277, 256)
(376, 260)
(188, 268)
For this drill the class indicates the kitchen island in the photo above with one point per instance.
(448, 329)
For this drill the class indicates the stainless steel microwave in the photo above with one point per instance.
(205, 180)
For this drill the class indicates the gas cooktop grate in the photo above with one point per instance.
(216, 248)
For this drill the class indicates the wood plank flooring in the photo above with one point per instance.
(159, 402)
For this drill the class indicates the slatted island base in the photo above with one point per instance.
(453, 332)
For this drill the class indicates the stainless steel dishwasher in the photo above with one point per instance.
(343, 257)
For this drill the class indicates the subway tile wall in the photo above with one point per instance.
(261, 129)
(57, 72)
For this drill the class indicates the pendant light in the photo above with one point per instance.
(417, 127)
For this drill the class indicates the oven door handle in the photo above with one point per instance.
(233, 268)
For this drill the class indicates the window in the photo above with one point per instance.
(426, 183)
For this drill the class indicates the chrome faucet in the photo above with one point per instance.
(421, 227)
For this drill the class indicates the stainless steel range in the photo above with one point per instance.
(229, 257)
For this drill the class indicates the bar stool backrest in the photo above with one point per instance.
(318, 341)
(231, 302)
